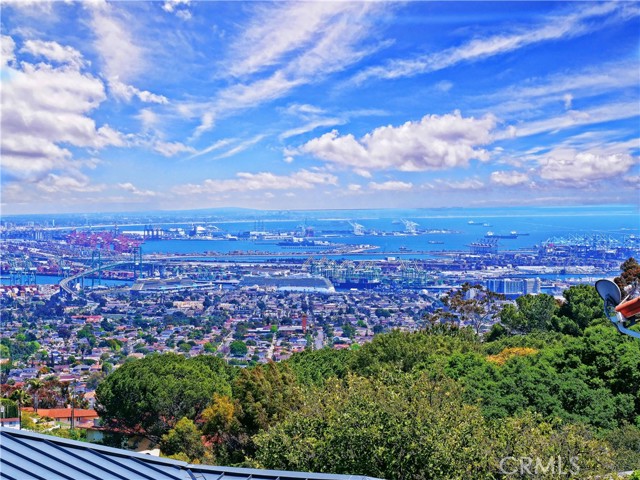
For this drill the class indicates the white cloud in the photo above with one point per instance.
(169, 149)
(304, 110)
(580, 22)
(76, 182)
(44, 110)
(55, 52)
(148, 118)
(127, 92)
(320, 38)
(278, 32)
(308, 118)
(362, 172)
(241, 96)
(308, 127)
(213, 147)
(509, 179)
(206, 123)
(354, 187)
(7, 51)
(568, 100)
(303, 179)
(594, 81)
(25, 155)
(241, 147)
(468, 184)
(131, 188)
(183, 14)
(178, 7)
(121, 56)
(444, 86)
(391, 185)
(570, 167)
(433, 143)
(575, 118)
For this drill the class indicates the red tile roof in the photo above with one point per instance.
(64, 412)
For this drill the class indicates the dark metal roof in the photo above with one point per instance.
(28, 455)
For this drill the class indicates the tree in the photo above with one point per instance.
(183, 438)
(150, 395)
(94, 380)
(581, 307)
(87, 332)
(20, 397)
(532, 312)
(314, 368)
(241, 330)
(10, 408)
(265, 394)
(4, 352)
(220, 417)
(107, 326)
(348, 330)
(238, 348)
(472, 305)
(630, 273)
(34, 386)
(403, 351)
(405, 427)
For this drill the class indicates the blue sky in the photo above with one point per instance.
(117, 106)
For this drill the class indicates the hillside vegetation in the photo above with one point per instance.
(550, 382)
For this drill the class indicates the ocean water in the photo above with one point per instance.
(540, 224)
(534, 226)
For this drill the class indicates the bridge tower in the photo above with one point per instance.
(96, 263)
(64, 270)
(137, 261)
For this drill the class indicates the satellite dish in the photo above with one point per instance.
(609, 292)
(612, 297)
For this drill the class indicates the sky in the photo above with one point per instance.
(132, 106)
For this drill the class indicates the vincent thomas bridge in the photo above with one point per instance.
(68, 285)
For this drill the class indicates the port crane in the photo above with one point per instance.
(409, 226)
(622, 312)
(357, 228)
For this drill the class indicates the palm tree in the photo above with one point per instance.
(20, 396)
(35, 386)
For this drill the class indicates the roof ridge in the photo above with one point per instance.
(32, 446)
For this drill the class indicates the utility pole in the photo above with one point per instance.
(73, 404)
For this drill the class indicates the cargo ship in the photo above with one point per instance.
(512, 235)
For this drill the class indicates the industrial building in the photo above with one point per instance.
(289, 283)
(514, 287)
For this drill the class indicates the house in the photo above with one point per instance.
(79, 369)
(82, 417)
(28, 373)
(10, 422)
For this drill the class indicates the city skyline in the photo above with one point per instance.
(130, 106)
